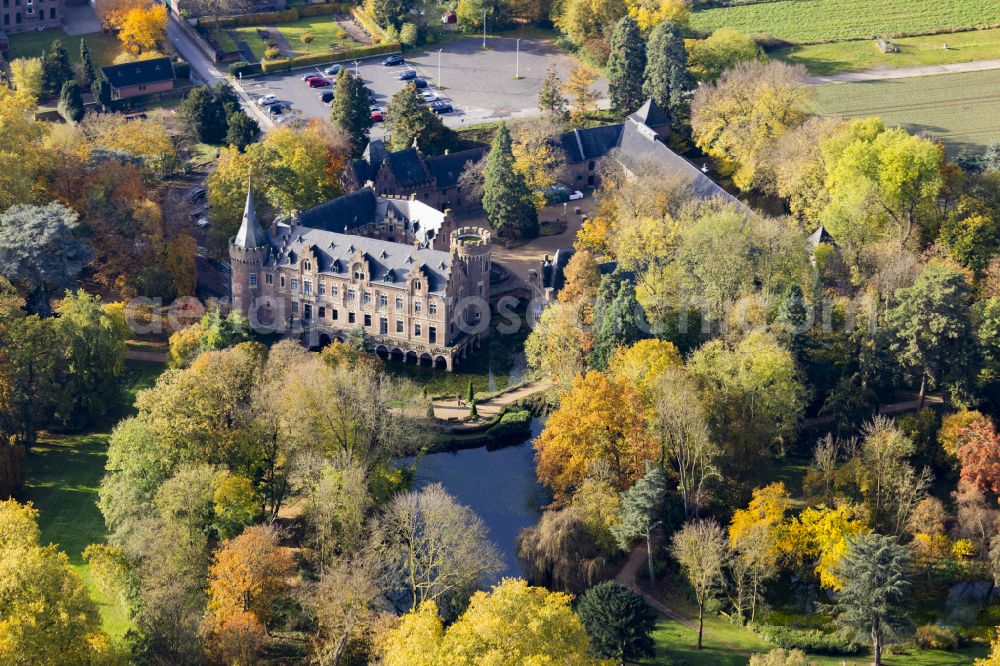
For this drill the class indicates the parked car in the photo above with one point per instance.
(196, 194)
(419, 83)
(326, 97)
(429, 96)
(277, 109)
(201, 211)
(267, 100)
(377, 117)
(318, 82)
(202, 223)
(376, 107)
(576, 196)
(441, 107)
(308, 75)
(408, 75)
(393, 60)
(333, 70)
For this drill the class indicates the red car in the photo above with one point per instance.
(317, 82)
(377, 117)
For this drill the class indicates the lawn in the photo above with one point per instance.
(326, 34)
(103, 48)
(63, 474)
(913, 51)
(806, 21)
(961, 110)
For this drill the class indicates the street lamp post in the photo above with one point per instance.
(517, 60)
(439, 67)
(356, 63)
(484, 28)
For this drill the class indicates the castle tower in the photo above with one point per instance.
(247, 252)
(472, 249)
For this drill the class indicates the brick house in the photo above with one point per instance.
(413, 302)
(143, 77)
(24, 15)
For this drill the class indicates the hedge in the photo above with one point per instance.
(512, 422)
(339, 55)
(268, 18)
(368, 23)
(810, 640)
(182, 70)
(245, 68)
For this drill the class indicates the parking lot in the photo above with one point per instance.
(480, 85)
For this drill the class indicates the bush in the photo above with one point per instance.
(933, 637)
(408, 35)
(513, 422)
(271, 53)
(243, 67)
(271, 18)
(336, 55)
(369, 24)
(810, 640)
(182, 70)
(306, 37)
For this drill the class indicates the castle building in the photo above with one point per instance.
(315, 275)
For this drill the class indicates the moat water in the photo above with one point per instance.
(499, 485)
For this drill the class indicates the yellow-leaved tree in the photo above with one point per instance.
(644, 362)
(817, 537)
(513, 625)
(142, 28)
(650, 13)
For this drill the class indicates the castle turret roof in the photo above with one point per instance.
(250, 235)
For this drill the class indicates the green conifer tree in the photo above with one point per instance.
(409, 118)
(626, 67)
(87, 72)
(506, 198)
(667, 81)
(351, 110)
(71, 102)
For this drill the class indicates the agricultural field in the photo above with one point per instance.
(836, 57)
(810, 21)
(325, 32)
(961, 110)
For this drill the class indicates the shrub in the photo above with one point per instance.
(182, 70)
(933, 637)
(306, 37)
(408, 35)
(339, 33)
(369, 24)
(322, 58)
(810, 640)
(513, 422)
(243, 67)
(271, 53)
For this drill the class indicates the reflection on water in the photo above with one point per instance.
(500, 486)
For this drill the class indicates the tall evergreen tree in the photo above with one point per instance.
(617, 319)
(506, 198)
(667, 80)
(57, 69)
(626, 67)
(87, 72)
(351, 110)
(550, 97)
(389, 12)
(409, 118)
(101, 90)
(618, 621)
(640, 511)
(242, 130)
(203, 115)
(71, 102)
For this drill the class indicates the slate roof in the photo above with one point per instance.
(821, 235)
(142, 72)
(388, 263)
(590, 143)
(407, 168)
(345, 213)
(445, 169)
(250, 234)
(651, 114)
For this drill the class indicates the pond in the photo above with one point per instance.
(499, 485)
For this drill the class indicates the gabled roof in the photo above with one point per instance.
(407, 168)
(388, 263)
(250, 234)
(821, 235)
(345, 213)
(589, 143)
(141, 72)
(445, 169)
(651, 115)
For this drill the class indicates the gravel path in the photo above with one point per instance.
(884, 73)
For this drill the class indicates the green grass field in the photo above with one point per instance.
(806, 21)
(961, 110)
(63, 474)
(103, 48)
(913, 51)
(326, 34)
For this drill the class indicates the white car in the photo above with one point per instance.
(202, 223)
(267, 100)
(429, 96)
(576, 196)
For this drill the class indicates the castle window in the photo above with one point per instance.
(358, 275)
(416, 285)
(334, 290)
(295, 284)
(399, 302)
(590, 165)
(306, 266)
(416, 330)
(307, 287)
(383, 326)
(282, 281)
(350, 294)
(368, 320)
(383, 301)
(366, 297)
(416, 306)
(268, 278)
(399, 325)
(350, 317)
(295, 307)
(307, 311)
(253, 280)
(334, 314)
(322, 312)
(432, 308)
(321, 288)
(432, 334)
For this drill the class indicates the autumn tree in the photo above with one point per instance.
(618, 621)
(348, 603)
(870, 603)
(582, 98)
(891, 487)
(979, 456)
(562, 551)
(753, 538)
(700, 549)
(666, 80)
(248, 575)
(598, 421)
(507, 200)
(550, 97)
(432, 549)
(720, 51)
(626, 66)
(737, 119)
(337, 502)
(817, 538)
(511, 625)
(142, 28)
(588, 23)
(537, 155)
(560, 343)
(28, 76)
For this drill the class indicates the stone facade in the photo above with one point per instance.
(24, 15)
(412, 302)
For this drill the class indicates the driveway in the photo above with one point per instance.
(479, 84)
(884, 73)
(80, 20)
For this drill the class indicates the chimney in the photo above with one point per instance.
(446, 151)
